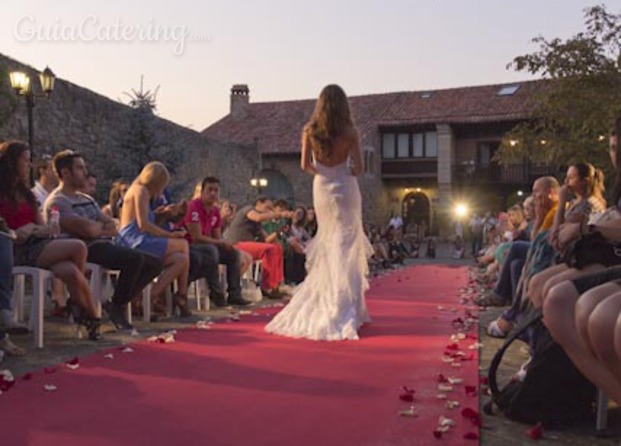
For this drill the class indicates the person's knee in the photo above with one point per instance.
(601, 331)
(183, 257)
(70, 274)
(559, 301)
(77, 250)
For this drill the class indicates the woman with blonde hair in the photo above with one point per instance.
(138, 230)
(329, 304)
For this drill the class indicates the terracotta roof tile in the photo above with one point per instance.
(277, 126)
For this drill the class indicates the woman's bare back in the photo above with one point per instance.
(340, 151)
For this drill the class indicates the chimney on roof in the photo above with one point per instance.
(240, 98)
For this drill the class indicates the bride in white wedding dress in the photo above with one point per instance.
(329, 304)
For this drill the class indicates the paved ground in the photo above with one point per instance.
(61, 344)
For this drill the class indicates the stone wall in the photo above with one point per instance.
(77, 118)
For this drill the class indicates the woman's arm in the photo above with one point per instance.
(141, 205)
(559, 218)
(306, 162)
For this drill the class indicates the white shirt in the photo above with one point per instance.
(40, 193)
(396, 222)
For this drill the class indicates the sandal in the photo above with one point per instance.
(494, 330)
(11, 349)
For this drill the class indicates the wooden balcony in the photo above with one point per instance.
(409, 168)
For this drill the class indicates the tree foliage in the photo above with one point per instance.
(141, 141)
(579, 98)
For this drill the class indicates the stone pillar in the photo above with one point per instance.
(446, 157)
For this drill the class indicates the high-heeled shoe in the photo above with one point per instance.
(180, 301)
(92, 324)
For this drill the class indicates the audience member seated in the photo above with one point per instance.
(247, 234)
(115, 199)
(537, 255)
(6, 279)
(583, 312)
(311, 221)
(46, 180)
(139, 231)
(7, 322)
(35, 242)
(585, 183)
(203, 223)
(90, 187)
(298, 238)
(81, 217)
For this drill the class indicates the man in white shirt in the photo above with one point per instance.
(46, 180)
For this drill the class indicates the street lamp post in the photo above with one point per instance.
(20, 83)
(259, 183)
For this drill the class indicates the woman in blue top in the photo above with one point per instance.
(139, 231)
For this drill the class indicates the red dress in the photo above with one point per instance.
(17, 215)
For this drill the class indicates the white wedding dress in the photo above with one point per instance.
(329, 305)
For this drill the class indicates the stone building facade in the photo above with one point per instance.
(425, 151)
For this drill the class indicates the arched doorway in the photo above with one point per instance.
(278, 186)
(416, 208)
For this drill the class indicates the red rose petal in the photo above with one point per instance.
(442, 379)
(27, 376)
(49, 370)
(437, 434)
(471, 436)
(406, 389)
(406, 397)
(5, 384)
(452, 347)
(472, 415)
(535, 432)
(74, 361)
(471, 390)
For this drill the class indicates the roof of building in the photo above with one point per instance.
(276, 126)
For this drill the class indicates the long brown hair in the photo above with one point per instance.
(330, 120)
(13, 188)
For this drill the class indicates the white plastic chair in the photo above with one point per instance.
(101, 276)
(601, 420)
(40, 281)
(201, 293)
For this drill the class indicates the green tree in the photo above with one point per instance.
(141, 142)
(578, 98)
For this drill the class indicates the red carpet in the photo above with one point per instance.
(236, 385)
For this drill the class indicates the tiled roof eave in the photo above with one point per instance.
(456, 120)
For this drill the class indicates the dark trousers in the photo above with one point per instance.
(204, 261)
(295, 267)
(137, 268)
(511, 270)
(6, 273)
(477, 244)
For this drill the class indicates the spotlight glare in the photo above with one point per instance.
(461, 210)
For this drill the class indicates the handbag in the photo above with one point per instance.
(590, 249)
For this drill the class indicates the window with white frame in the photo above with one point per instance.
(410, 145)
(388, 145)
(403, 145)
